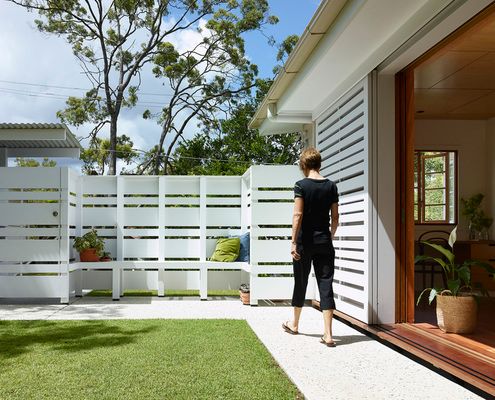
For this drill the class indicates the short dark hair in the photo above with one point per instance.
(310, 159)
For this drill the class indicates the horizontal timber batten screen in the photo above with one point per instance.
(144, 219)
(342, 138)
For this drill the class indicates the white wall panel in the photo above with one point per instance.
(343, 138)
(140, 248)
(181, 216)
(222, 216)
(140, 216)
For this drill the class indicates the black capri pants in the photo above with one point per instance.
(323, 258)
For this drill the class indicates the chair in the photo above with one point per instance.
(430, 268)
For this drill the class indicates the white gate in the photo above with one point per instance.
(33, 234)
(343, 133)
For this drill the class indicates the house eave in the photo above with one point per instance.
(321, 21)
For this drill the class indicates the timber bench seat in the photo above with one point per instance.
(161, 266)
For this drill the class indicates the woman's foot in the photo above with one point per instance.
(289, 327)
(328, 341)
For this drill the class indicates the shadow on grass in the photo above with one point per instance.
(20, 337)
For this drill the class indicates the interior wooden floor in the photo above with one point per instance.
(468, 359)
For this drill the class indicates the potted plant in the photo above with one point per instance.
(479, 222)
(106, 256)
(456, 304)
(90, 246)
(244, 292)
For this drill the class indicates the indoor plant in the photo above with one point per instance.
(244, 292)
(479, 222)
(90, 246)
(456, 304)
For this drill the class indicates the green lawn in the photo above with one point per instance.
(137, 359)
(168, 293)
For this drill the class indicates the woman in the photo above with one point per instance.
(315, 197)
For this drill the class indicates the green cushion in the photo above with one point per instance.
(227, 250)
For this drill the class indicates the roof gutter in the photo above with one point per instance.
(320, 23)
(271, 113)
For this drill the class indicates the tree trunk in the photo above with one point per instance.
(112, 165)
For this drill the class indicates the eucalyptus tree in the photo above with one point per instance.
(231, 147)
(208, 80)
(114, 39)
(97, 155)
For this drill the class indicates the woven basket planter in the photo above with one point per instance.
(457, 314)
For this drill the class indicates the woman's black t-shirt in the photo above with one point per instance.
(318, 196)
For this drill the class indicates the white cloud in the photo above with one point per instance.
(30, 56)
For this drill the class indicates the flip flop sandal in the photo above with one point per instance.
(328, 344)
(288, 330)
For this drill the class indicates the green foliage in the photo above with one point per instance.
(234, 148)
(114, 40)
(89, 240)
(97, 156)
(244, 288)
(284, 50)
(434, 181)
(138, 359)
(210, 79)
(168, 293)
(458, 275)
(29, 162)
(471, 208)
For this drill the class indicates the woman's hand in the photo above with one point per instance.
(293, 252)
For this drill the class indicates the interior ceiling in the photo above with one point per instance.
(458, 82)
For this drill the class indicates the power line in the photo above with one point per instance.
(73, 88)
(171, 157)
(58, 96)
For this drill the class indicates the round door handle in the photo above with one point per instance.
(55, 213)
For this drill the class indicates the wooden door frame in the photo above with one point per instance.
(404, 161)
(404, 142)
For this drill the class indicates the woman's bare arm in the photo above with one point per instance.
(296, 225)
(335, 218)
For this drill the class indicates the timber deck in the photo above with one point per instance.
(466, 359)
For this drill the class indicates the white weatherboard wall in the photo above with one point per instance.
(343, 140)
(469, 139)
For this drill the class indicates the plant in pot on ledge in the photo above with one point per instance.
(479, 222)
(244, 292)
(90, 246)
(456, 305)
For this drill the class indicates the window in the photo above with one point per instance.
(435, 190)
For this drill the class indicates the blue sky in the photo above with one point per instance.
(294, 16)
(38, 71)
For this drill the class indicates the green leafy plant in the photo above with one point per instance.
(89, 240)
(244, 288)
(458, 275)
(471, 208)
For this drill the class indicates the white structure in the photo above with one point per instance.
(37, 140)
(338, 87)
(160, 231)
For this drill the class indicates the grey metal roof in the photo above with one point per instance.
(69, 142)
(7, 125)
